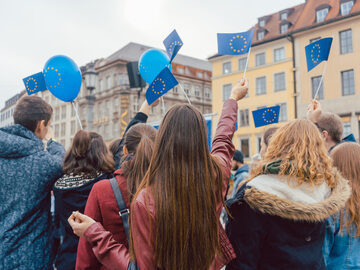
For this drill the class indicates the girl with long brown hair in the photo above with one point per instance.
(342, 238)
(86, 162)
(279, 214)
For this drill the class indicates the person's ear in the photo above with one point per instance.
(325, 134)
(125, 151)
(39, 128)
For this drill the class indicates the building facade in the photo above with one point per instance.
(6, 113)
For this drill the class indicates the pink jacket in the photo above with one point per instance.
(115, 256)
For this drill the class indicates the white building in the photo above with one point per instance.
(6, 113)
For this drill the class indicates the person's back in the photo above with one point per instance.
(342, 239)
(27, 174)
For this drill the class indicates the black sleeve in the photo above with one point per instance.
(139, 118)
(246, 232)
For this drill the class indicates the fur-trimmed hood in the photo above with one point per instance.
(269, 203)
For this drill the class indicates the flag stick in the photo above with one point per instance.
(322, 78)
(247, 62)
(77, 114)
(163, 105)
(185, 94)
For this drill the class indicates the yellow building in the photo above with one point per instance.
(270, 74)
(340, 93)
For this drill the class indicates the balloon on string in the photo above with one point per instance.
(62, 77)
(151, 63)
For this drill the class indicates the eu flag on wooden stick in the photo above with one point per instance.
(235, 43)
(35, 83)
(161, 85)
(266, 116)
(173, 43)
(317, 52)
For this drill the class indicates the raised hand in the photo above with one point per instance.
(240, 90)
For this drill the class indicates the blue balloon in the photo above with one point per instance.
(151, 63)
(62, 77)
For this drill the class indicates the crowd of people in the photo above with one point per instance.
(153, 199)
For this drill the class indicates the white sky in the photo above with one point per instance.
(31, 31)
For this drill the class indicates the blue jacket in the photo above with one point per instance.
(27, 175)
(341, 250)
(240, 175)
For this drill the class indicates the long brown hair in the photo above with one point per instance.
(301, 149)
(346, 157)
(186, 184)
(88, 154)
(139, 142)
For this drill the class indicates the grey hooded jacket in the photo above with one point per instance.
(28, 172)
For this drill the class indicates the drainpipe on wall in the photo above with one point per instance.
(291, 39)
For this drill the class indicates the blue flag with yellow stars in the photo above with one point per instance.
(266, 116)
(173, 43)
(234, 44)
(160, 86)
(35, 83)
(317, 52)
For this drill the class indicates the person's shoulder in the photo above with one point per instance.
(145, 200)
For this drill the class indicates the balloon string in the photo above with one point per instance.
(163, 105)
(185, 94)
(77, 114)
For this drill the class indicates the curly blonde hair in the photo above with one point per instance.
(301, 149)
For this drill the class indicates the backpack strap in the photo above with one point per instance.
(123, 210)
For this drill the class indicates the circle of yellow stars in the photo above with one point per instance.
(315, 55)
(161, 81)
(27, 84)
(268, 121)
(143, 68)
(231, 43)
(173, 44)
(57, 72)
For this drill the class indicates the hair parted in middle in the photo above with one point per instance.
(186, 184)
(301, 149)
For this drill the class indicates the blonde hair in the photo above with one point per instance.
(301, 149)
(346, 157)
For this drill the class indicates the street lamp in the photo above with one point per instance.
(90, 80)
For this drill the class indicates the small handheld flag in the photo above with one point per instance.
(266, 116)
(35, 83)
(161, 85)
(173, 43)
(235, 43)
(317, 52)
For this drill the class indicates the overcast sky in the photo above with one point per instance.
(31, 31)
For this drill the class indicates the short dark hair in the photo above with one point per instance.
(238, 156)
(30, 110)
(332, 124)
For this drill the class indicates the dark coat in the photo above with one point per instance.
(71, 193)
(28, 172)
(268, 232)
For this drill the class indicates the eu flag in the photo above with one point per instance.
(234, 44)
(173, 43)
(35, 83)
(317, 52)
(266, 116)
(160, 86)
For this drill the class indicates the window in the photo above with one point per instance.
(260, 35)
(244, 118)
(242, 64)
(347, 81)
(107, 106)
(72, 111)
(260, 59)
(314, 39)
(346, 7)
(347, 129)
(106, 132)
(314, 85)
(116, 104)
(261, 85)
(101, 85)
(63, 112)
(279, 81)
(175, 89)
(100, 110)
(207, 92)
(108, 83)
(245, 147)
(181, 70)
(197, 91)
(283, 16)
(73, 127)
(63, 129)
(226, 91)
(187, 88)
(284, 28)
(321, 14)
(57, 114)
(346, 41)
(116, 129)
(200, 75)
(226, 67)
(279, 54)
(283, 112)
(56, 130)
(262, 23)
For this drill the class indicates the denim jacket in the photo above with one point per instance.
(341, 250)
